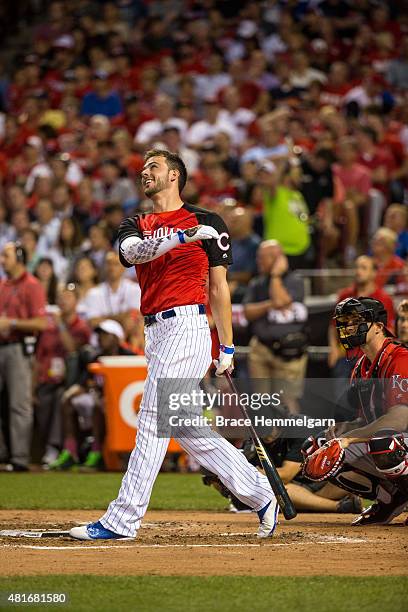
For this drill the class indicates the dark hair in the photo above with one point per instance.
(74, 277)
(103, 227)
(368, 131)
(113, 207)
(326, 155)
(32, 231)
(53, 284)
(173, 161)
(76, 239)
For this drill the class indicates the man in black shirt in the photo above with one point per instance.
(316, 183)
(274, 305)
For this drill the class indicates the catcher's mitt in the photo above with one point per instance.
(325, 462)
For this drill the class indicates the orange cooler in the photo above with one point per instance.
(124, 378)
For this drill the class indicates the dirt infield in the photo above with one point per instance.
(203, 543)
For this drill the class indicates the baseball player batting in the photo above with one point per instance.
(175, 249)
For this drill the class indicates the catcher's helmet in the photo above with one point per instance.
(354, 318)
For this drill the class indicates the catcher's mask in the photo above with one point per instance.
(389, 453)
(354, 318)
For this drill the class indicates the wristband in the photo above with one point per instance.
(180, 234)
(228, 350)
(13, 323)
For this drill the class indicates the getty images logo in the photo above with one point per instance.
(399, 383)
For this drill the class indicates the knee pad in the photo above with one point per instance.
(389, 453)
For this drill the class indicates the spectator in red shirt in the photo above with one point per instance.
(22, 310)
(337, 85)
(390, 142)
(83, 80)
(73, 126)
(128, 160)
(365, 284)
(125, 77)
(377, 159)
(381, 22)
(132, 117)
(249, 91)
(220, 185)
(147, 91)
(55, 368)
(13, 138)
(365, 274)
(390, 266)
(356, 181)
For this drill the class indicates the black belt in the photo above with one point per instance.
(9, 343)
(167, 314)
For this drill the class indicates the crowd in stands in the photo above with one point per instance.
(291, 117)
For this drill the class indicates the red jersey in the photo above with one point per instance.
(21, 298)
(390, 272)
(50, 351)
(177, 278)
(388, 374)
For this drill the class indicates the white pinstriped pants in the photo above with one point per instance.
(178, 348)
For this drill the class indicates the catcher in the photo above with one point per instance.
(307, 496)
(369, 456)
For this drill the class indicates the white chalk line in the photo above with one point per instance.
(325, 541)
(139, 546)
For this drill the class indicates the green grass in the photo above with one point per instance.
(95, 491)
(217, 593)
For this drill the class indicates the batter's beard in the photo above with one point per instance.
(158, 185)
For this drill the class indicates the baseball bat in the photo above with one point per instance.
(281, 494)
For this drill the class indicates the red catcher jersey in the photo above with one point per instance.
(179, 277)
(390, 367)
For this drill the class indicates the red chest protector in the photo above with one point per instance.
(371, 390)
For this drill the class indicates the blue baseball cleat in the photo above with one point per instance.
(268, 518)
(95, 531)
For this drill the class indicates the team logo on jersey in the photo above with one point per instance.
(399, 383)
(160, 232)
(223, 242)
